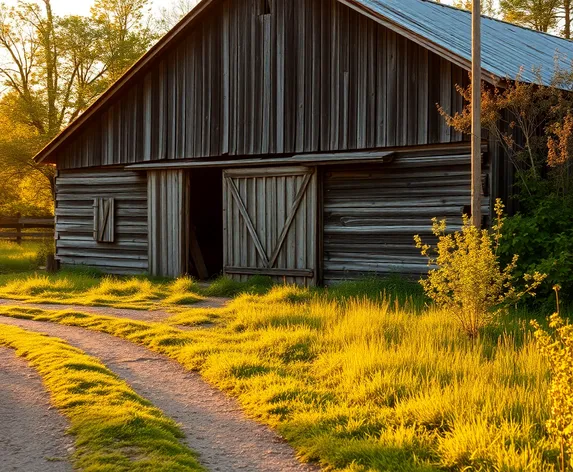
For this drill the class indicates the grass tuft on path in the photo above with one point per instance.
(363, 384)
(89, 289)
(115, 430)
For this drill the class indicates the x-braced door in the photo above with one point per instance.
(270, 221)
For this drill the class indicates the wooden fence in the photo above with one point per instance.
(19, 229)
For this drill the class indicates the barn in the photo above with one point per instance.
(297, 139)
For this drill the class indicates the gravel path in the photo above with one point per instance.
(140, 315)
(214, 425)
(32, 435)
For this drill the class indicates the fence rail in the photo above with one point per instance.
(20, 227)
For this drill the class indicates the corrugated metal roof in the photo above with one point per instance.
(506, 48)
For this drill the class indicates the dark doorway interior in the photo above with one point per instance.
(207, 219)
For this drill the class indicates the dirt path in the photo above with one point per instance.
(140, 315)
(213, 423)
(32, 435)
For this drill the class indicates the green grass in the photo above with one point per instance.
(20, 257)
(115, 430)
(363, 384)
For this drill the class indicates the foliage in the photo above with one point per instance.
(362, 385)
(23, 187)
(543, 238)
(520, 108)
(468, 281)
(488, 7)
(534, 126)
(53, 68)
(114, 428)
(541, 15)
(557, 346)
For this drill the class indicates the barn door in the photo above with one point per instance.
(270, 220)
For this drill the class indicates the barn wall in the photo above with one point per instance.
(371, 213)
(75, 241)
(169, 220)
(311, 76)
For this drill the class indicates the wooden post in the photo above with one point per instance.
(18, 228)
(476, 114)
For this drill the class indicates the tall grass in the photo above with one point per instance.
(364, 384)
(374, 385)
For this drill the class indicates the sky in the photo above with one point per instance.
(63, 7)
(82, 7)
(77, 7)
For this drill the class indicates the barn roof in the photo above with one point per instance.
(507, 49)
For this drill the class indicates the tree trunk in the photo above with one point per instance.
(49, 48)
(567, 8)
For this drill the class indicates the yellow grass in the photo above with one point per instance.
(77, 288)
(361, 384)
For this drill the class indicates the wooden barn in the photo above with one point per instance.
(298, 139)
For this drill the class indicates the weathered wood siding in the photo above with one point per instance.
(76, 243)
(310, 76)
(270, 224)
(169, 219)
(372, 213)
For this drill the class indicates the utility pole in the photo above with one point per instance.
(476, 114)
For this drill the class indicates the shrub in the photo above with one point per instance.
(543, 238)
(468, 280)
(558, 347)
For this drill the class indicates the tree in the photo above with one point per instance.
(56, 67)
(169, 16)
(566, 7)
(487, 6)
(23, 187)
(541, 15)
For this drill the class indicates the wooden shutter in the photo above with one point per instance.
(104, 220)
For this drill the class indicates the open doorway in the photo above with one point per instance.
(206, 225)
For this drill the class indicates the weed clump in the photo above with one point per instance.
(557, 346)
(467, 279)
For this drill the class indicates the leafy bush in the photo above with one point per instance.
(468, 280)
(558, 347)
(543, 238)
